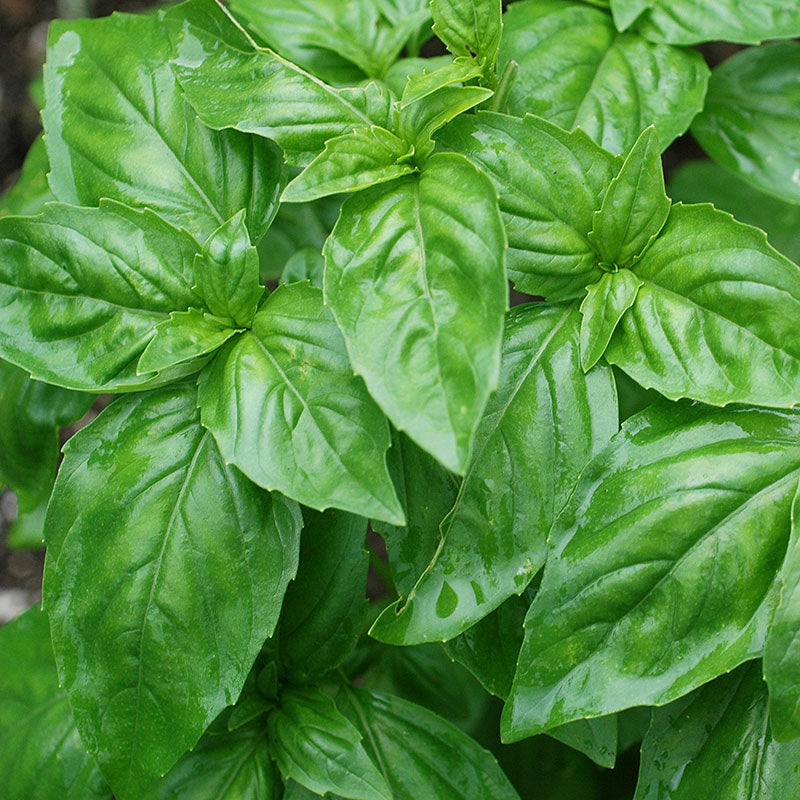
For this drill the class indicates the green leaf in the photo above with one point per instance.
(781, 651)
(315, 745)
(31, 190)
(165, 572)
(227, 273)
(326, 605)
(225, 765)
(602, 308)
(415, 277)
(232, 83)
(715, 317)
(635, 207)
(550, 184)
(470, 28)
(576, 70)
(26, 532)
(111, 134)
(692, 22)
(706, 182)
(286, 409)
(717, 485)
(718, 737)
(306, 264)
(398, 74)
(356, 31)
(351, 162)
(595, 738)
(421, 754)
(182, 337)
(751, 121)
(82, 289)
(546, 421)
(42, 755)
(31, 414)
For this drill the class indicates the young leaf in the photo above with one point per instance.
(577, 71)
(31, 190)
(184, 336)
(751, 121)
(225, 765)
(232, 83)
(716, 743)
(42, 755)
(415, 277)
(350, 162)
(782, 648)
(470, 28)
(31, 414)
(718, 487)
(82, 289)
(227, 273)
(602, 308)
(550, 184)
(635, 207)
(286, 409)
(165, 572)
(546, 421)
(111, 134)
(715, 317)
(421, 754)
(690, 22)
(313, 744)
(326, 605)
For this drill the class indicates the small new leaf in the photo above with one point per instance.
(635, 207)
(227, 273)
(602, 308)
(470, 28)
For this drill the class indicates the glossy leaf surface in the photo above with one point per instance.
(415, 277)
(315, 745)
(165, 572)
(718, 736)
(550, 184)
(470, 28)
(545, 422)
(82, 289)
(715, 317)
(109, 133)
(718, 486)
(694, 21)
(232, 83)
(751, 121)
(286, 409)
(420, 754)
(41, 754)
(576, 70)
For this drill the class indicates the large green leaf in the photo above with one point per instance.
(694, 21)
(706, 182)
(315, 745)
(716, 316)
(470, 28)
(716, 743)
(415, 277)
(544, 423)
(421, 754)
(233, 83)
(31, 414)
(286, 409)
(751, 120)
(356, 31)
(31, 191)
(225, 765)
(576, 70)
(636, 607)
(326, 605)
(550, 184)
(782, 648)
(82, 289)
(41, 754)
(165, 572)
(112, 133)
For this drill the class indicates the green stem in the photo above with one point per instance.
(499, 100)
